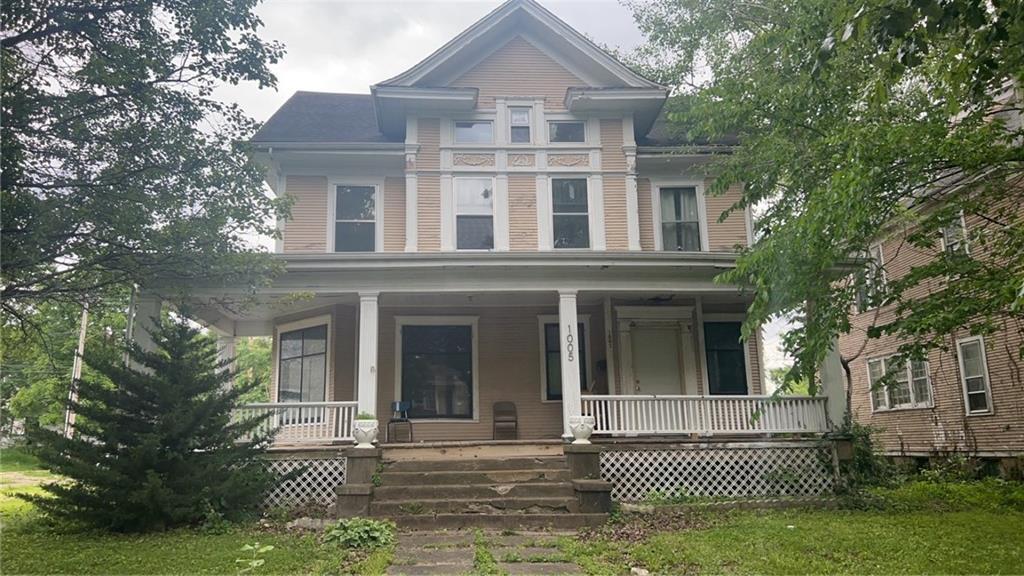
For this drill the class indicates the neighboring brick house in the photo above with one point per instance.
(968, 398)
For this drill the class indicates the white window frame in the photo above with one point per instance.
(885, 275)
(324, 319)
(990, 409)
(547, 131)
(702, 211)
(593, 220)
(455, 212)
(529, 123)
(543, 319)
(378, 211)
(964, 244)
(909, 373)
(455, 130)
(471, 321)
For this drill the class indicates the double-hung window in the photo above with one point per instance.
(519, 125)
(355, 218)
(909, 387)
(474, 132)
(553, 358)
(974, 375)
(954, 236)
(680, 219)
(567, 131)
(872, 286)
(437, 370)
(570, 219)
(474, 213)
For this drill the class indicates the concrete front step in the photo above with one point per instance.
(477, 464)
(475, 506)
(465, 477)
(500, 521)
(386, 493)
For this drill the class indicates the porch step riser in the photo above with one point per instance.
(488, 477)
(476, 491)
(475, 465)
(500, 521)
(396, 508)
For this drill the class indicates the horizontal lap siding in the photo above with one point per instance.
(522, 212)
(519, 69)
(306, 228)
(428, 191)
(646, 213)
(615, 221)
(394, 214)
(725, 236)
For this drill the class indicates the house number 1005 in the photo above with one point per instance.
(570, 348)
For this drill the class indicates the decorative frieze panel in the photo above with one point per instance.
(568, 160)
(461, 159)
(521, 160)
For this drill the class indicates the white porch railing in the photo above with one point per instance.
(706, 415)
(303, 422)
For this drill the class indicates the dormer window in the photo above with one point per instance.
(474, 132)
(519, 125)
(567, 131)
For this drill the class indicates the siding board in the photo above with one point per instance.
(306, 228)
(522, 212)
(646, 213)
(615, 219)
(725, 236)
(394, 214)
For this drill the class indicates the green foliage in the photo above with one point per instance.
(483, 561)
(365, 416)
(252, 364)
(867, 467)
(119, 164)
(255, 559)
(799, 387)
(17, 459)
(858, 119)
(158, 449)
(365, 533)
(990, 494)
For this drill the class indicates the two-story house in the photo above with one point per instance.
(499, 240)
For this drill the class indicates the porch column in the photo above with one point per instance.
(569, 348)
(146, 315)
(833, 386)
(226, 352)
(367, 382)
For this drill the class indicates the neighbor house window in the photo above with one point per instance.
(572, 131)
(569, 213)
(680, 220)
(726, 360)
(910, 385)
(954, 236)
(974, 375)
(553, 359)
(437, 370)
(355, 218)
(474, 132)
(519, 125)
(302, 368)
(474, 213)
(872, 285)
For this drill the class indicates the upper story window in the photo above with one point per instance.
(355, 218)
(519, 125)
(910, 388)
(954, 236)
(872, 287)
(567, 131)
(474, 132)
(974, 375)
(474, 213)
(680, 219)
(570, 216)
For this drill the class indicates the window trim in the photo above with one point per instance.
(455, 212)
(322, 320)
(965, 243)
(885, 275)
(592, 221)
(542, 320)
(455, 130)
(702, 211)
(547, 131)
(727, 317)
(473, 323)
(909, 371)
(529, 123)
(963, 380)
(378, 209)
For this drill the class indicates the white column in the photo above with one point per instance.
(570, 351)
(833, 386)
(226, 351)
(367, 383)
(147, 314)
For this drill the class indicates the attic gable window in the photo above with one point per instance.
(567, 131)
(519, 125)
(474, 132)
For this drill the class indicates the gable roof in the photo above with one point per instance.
(323, 117)
(466, 49)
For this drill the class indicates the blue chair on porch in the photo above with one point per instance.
(399, 416)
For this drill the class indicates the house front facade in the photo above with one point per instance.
(508, 226)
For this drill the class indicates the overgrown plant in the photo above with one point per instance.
(867, 467)
(254, 561)
(362, 533)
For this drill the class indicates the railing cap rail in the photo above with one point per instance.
(298, 404)
(695, 397)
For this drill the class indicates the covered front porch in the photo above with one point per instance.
(642, 355)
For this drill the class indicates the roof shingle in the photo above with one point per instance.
(323, 117)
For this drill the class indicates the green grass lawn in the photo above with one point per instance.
(17, 460)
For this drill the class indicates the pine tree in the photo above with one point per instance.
(156, 448)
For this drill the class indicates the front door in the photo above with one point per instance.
(657, 368)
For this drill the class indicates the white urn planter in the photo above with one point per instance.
(365, 433)
(581, 427)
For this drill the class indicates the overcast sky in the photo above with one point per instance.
(345, 46)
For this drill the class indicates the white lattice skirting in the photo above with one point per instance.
(738, 472)
(314, 485)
